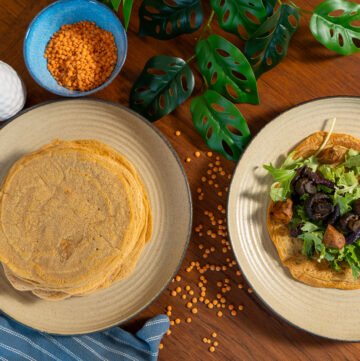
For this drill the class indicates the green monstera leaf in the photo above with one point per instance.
(270, 6)
(220, 124)
(112, 4)
(164, 83)
(336, 25)
(269, 44)
(164, 19)
(240, 17)
(227, 70)
(127, 9)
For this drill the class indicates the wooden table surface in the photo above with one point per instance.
(309, 71)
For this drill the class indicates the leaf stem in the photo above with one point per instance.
(205, 82)
(191, 59)
(294, 4)
(210, 19)
(301, 10)
(207, 25)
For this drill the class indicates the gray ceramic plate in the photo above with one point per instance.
(169, 195)
(327, 312)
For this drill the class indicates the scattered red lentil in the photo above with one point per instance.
(215, 228)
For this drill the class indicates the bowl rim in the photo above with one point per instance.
(76, 92)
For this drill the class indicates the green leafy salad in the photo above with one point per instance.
(320, 203)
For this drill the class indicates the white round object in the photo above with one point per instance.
(12, 92)
(330, 313)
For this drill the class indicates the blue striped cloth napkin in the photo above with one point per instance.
(18, 343)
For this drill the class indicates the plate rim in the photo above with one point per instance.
(263, 302)
(188, 193)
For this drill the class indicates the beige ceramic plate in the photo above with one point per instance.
(327, 312)
(169, 195)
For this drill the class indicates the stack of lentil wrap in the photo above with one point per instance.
(74, 217)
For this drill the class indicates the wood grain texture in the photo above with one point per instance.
(309, 71)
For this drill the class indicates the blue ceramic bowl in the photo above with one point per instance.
(49, 20)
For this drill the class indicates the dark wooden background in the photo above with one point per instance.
(309, 71)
